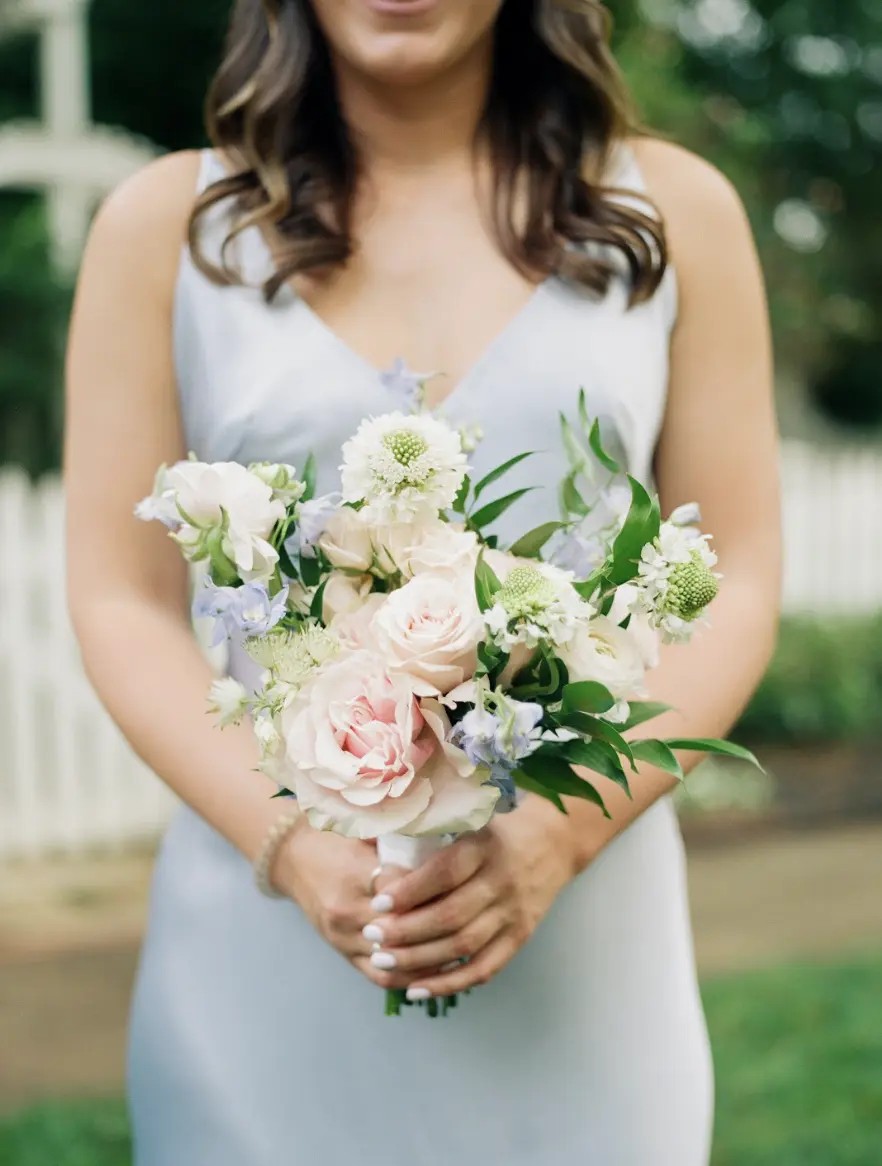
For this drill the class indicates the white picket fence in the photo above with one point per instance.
(68, 781)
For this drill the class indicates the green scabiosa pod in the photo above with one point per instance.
(692, 586)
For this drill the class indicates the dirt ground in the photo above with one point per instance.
(69, 934)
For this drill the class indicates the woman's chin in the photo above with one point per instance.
(408, 60)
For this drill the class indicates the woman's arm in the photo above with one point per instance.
(126, 580)
(718, 447)
(127, 583)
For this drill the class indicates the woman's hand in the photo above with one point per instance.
(479, 900)
(330, 879)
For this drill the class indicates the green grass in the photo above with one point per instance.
(799, 1078)
(799, 1065)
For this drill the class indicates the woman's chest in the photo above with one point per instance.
(277, 382)
(436, 293)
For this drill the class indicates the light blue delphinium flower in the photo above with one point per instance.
(312, 521)
(248, 609)
(583, 548)
(404, 384)
(500, 739)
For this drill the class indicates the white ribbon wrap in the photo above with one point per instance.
(409, 853)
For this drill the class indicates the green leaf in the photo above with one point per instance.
(549, 677)
(604, 731)
(525, 782)
(659, 754)
(599, 452)
(600, 757)
(557, 775)
(310, 571)
(486, 584)
(462, 495)
(309, 478)
(571, 500)
(283, 793)
(317, 605)
(494, 510)
(286, 563)
(575, 453)
(641, 527)
(713, 745)
(587, 696)
(530, 544)
(588, 587)
(643, 711)
(500, 471)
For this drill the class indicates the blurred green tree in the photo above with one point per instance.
(786, 96)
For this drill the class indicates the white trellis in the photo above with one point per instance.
(64, 154)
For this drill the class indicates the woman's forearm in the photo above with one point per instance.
(152, 677)
(707, 683)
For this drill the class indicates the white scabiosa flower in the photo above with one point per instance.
(228, 700)
(537, 602)
(676, 581)
(291, 658)
(402, 467)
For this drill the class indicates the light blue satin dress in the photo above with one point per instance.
(253, 1043)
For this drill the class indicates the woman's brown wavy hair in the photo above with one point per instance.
(557, 108)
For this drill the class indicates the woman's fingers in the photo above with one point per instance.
(479, 970)
(389, 979)
(463, 944)
(441, 874)
(436, 920)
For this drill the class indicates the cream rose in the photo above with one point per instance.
(354, 543)
(372, 760)
(346, 541)
(441, 547)
(604, 652)
(430, 628)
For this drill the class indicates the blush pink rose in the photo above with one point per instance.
(430, 628)
(371, 759)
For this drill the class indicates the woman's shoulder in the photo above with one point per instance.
(704, 216)
(690, 192)
(149, 212)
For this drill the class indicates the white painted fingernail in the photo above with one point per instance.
(415, 994)
(373, 933)
(384, 960)
(382, 904)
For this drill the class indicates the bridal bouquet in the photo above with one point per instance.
(416, 677)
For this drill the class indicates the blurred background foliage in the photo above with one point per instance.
(784, 95)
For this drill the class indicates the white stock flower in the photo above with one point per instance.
(226, 500)
(537, 602)
(228, 700)
(430, 628)
(402, 467)
(160, 505)
(282, 480)
(602, 651)
(272, 749)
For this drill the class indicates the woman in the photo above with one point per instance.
(454, 182)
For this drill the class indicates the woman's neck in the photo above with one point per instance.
(407, 128)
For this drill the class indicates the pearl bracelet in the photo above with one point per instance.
(266, 857)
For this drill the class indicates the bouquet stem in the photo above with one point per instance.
(408, 854)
